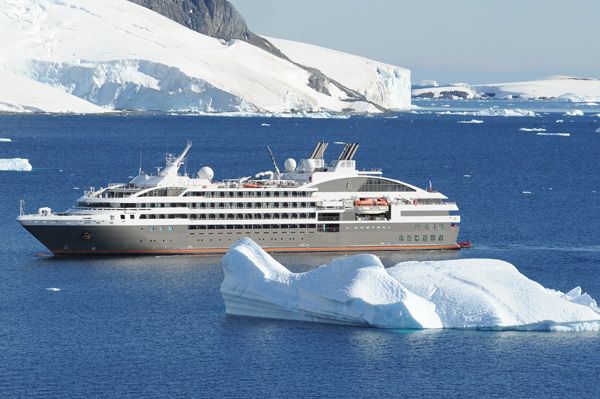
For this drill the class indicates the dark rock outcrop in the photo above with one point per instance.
(215, 18)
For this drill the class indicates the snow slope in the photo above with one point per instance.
(114, 54)
(384, 84)
(358, 290)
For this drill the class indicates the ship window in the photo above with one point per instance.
(170, 228)
(441, 226)
(424, 237)
(441, 237)
(432, 237)
(401, 238)
(122, 216)
(417, 237)
(131, 216)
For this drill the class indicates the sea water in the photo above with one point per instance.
(156, 326)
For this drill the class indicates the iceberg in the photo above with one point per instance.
(574, 112)
(505, 112)
(359, 290)
(562, 134)
(15, 164)
(532, 129)
(472, 121)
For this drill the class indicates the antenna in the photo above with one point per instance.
(140, 169)
(274, 162)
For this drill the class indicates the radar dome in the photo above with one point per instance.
(206, 173)
(290, 165)
(309, 165)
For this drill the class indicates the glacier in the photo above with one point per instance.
(386, 85)
(359, 290)
(15, 164)
(85, 56)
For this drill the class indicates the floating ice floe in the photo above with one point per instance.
(472, 121)
(526, 192)
(574, 112)
(5, 140)
(358, 290)
(559, 121)
(598, 130)
(505, 112)
(15, 164)
(53, 289)
(265, 124)
(532, 129)
(494, 111)
(554, 134)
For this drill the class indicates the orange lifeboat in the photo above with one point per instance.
(371, 206)
(250, 185)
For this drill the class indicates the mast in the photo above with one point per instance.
(174, 163)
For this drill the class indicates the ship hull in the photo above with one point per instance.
(167, 240)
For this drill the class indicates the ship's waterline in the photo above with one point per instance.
(310, 206)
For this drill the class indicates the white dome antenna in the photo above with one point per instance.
(206, 173)
(290, 165)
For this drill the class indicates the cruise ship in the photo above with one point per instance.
(310, 205)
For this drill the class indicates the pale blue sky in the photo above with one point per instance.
(476, 41)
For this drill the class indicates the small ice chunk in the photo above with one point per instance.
(598, 130)
(563, 134)
(53, 289)
(532, 129)
(472, 121)
(526, 192)
(265, 124)
(467, 176)
(559, 121)
(15, 164)
(5, 140)
(574, 112)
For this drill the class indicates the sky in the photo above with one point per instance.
(474, 41)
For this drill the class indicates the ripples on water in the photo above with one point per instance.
(155, 326)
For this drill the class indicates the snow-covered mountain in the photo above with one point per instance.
(95, 56)
(565, 88)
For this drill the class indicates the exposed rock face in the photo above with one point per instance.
(215, 18)
(219, 19)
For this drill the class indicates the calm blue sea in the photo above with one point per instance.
(156, 326)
